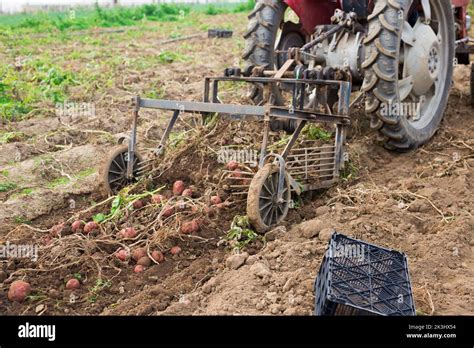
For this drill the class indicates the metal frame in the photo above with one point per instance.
(212, 104)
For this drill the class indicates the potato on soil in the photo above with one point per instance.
(138, 269)
(18, 291)
(178, 187)
(144, 261)
(128, 232)
(158, 256)
(168, 211)
(122, 255)
(138, 253)
(187, 193)
(56, 230)
(73, 284)
(138, 204)
(175, 250)
(77, 226)
(190, 227)
(90, 227)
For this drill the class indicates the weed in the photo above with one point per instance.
(9, 137)
(350, 171)
(8, 186)
(240, 234)
(21, 220)
(99, 285)
(313, 132)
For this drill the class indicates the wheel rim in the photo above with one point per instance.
(117, 171)
(272, 211)
(424, 67)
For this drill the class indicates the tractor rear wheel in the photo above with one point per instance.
(268, 31)
(409, 55)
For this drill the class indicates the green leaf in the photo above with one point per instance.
(99, 218)
(116, 204)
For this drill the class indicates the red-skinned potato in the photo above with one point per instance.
(178, 187)
(175, 250)
(122, 255)
(168, 211)
(90, 227)
(158, 256)
(128, 232)
(144, 261)
(232, 165)
(77, 226)
(216, 200)
(187, 193)
(18, 291)
(138, 253)
(157, 199)
(56, 230)
(73, 284)
(236, 174)
(138, 204)
(190, 227)
(138, 269)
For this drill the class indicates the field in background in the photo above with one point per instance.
(35, 79)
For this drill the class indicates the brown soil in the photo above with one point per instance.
(420, 203)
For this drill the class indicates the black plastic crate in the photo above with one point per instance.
(358, 278)
(219, 33)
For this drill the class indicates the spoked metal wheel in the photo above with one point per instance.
(409, 52)
(263, 207)
(114, 173)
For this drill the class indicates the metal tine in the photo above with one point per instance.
(310, 154)
(240, 172)
(234, 178)
(239, 186)
(239, 193)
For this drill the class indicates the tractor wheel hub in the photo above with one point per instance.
(422, 59)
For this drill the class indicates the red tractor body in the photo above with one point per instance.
(316, 12)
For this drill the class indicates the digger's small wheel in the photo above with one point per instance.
(114, 173)
(263, 208)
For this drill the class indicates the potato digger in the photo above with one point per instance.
(388, 53)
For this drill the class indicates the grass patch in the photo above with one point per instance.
(167, 57)
(84, 18)
(9, 186)
(21, 220)
(58, 182)
(10, 137)
(85, 173)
